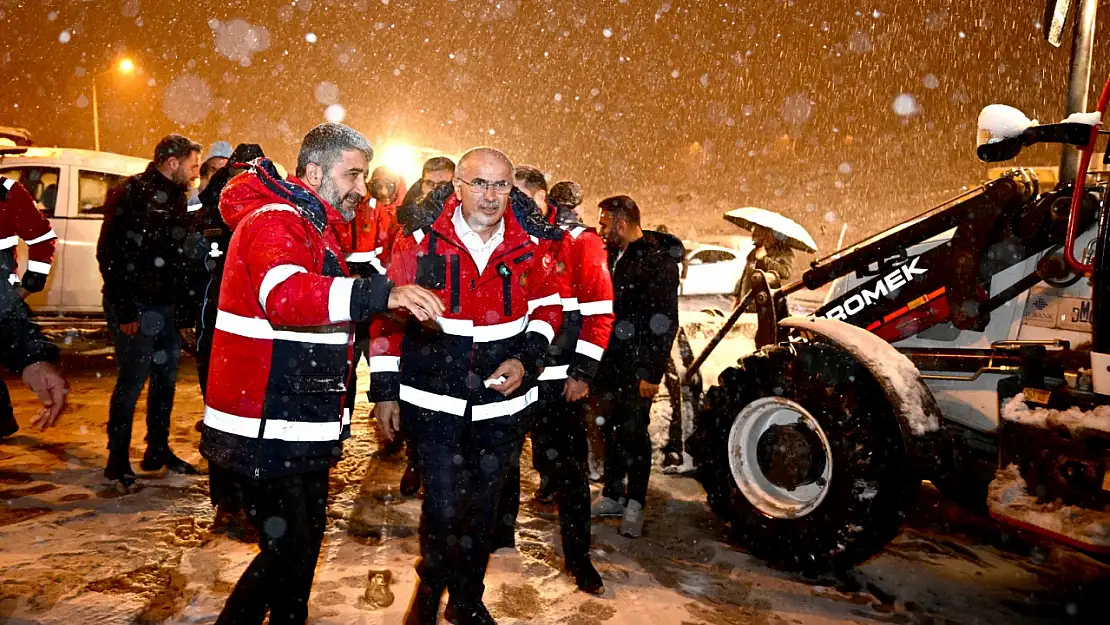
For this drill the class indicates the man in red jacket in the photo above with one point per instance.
(461, 388)
(21, 219)
(274, 416)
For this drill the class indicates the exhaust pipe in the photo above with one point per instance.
(1079, 77)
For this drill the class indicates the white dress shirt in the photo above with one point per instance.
(479, 250)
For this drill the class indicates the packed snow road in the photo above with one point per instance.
(74, 551)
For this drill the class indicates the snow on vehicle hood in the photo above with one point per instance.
(261, 186)
(892, 369)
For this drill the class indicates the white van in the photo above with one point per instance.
(70, 187)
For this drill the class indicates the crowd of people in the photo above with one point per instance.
(487, 311)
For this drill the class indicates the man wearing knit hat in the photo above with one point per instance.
(216, 157)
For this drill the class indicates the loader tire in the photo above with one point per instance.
(800, 452)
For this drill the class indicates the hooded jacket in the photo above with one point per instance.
(369, 238)
(510, 310)
(587, 301)
(282, 344)
(21, 219)
(645, 301)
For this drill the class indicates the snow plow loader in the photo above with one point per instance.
(968, 346)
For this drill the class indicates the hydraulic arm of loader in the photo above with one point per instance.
(977, 216)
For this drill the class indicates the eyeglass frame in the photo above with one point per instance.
(482, 186)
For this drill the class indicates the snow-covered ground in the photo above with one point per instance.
(73, 551)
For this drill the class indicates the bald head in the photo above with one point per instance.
(483, 158)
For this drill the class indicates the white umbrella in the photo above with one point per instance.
(786, 228)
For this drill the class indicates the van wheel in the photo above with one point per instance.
(800, 452)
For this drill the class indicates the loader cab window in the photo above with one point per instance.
(92, 191)
(41, 182)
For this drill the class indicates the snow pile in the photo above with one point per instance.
(1009, 500)
(1074, 419)
(892, 369)
(999, 121)
(1090, 119)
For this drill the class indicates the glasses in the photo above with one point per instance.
(500, 187)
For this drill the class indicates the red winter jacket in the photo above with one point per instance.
(21, 219)
(368, 240)
(510, 310)
(282, 344)
(587, 304)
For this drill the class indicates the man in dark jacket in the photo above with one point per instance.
(25, 352)
(141, 252)
(644, 265)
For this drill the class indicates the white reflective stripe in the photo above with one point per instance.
(9, 183)
(535, 240)
(261, 329)
(432, 401)
(587, 348)
(276, 429)
(362, 257)
(192, 208)
(543, 327)
(554, 373)
(601, 307)
(274, 277)
(550, 300)
(570, 304)
(385, 364)
(38, 267)
(7, 242)
(418, 235)
(339, 299)
(505, 408)
(483, 334)
(44, 238)
(378, 266)
(346, 416)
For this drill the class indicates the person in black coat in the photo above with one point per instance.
(25, 352)
(645, 269)
(142, 257)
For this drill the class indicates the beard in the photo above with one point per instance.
(344, 204)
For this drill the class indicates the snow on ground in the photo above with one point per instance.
(1073, 419)
(72, 551)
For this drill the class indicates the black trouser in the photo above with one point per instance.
(627, 444)
(460, 505)
(559, 437)
(204, 356)
(290, 514)
(7, 413)
(152, 353)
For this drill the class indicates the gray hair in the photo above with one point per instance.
(325, 145)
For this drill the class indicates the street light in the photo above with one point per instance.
(124, 67)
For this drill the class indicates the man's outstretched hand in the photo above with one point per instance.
(51, 387)
(513, 372)
(422, 303)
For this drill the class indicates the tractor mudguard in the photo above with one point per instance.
(919, 417)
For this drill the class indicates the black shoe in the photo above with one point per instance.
(546, 492)
(410, 481)
(586, 576)
(473, 614)
(155, 458)
(119, 471)
(7, 428)
(424, 609)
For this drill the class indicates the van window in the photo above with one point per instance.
(92, 191)
(41, 182)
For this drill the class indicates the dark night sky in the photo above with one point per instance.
(829, 111)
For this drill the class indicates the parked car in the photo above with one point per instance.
(70, 187)
(713, 270)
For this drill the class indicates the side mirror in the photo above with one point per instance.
(1004, 131)
(1055, 20)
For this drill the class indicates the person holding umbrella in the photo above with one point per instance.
(772, 253)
